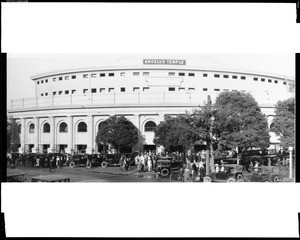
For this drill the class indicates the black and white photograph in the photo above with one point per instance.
(149, 120)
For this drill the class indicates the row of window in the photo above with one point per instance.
(94, 75)
(82, 127)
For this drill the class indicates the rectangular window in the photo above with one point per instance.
(94, 90)
(122, 74)
(171, 89)
(255, 79)
(111, 89)
(284, 83)
(122, 89)
(262, 79)
(269, 80)
(204, 74)
(145, 89)
(226, 90)
(102, 74)
(191, 74)
(60, 92)
(181, 74)
(46, 94)
(38, 82)
(42, 82)
(46, 80)
(73, 76)
(275, 81)
(67, 77)
(216, 75)
(171, 74)
(54, 93)
(42, 94)
(85, 75)
(191, 89)
(85, 90)
(136, 89)
(225, 76)
(94, 75)
(136, 74)
(60, 78)
(67, 92)
(205, 89)
(73, 91)
(216, 89)
(102, 89)
(146, 73)
(111, 74)
(54, 79)
(234, 76)
(243, 77)
(181, 89)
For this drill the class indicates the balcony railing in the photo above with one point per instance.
(136, 98)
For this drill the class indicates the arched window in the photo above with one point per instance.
(150, 126)
(63, 127)
(46, 128)
(31, 128)
(82, 127)
(272, 127)
(19, 128)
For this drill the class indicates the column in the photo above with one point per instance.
(52, 130)
(22, 137)
(35, 149)
(91, 140)
(70, 134)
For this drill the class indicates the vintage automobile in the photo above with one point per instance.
(263, 174)
(80, 159)
(111, 160)
(231, 173)
(165, 165)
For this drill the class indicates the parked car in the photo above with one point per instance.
(231, 173)
(165, 165)
(263, 174)
(111, 160)
(80, 159)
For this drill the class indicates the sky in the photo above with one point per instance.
(20, 67)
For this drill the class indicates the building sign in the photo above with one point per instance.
(164, 61)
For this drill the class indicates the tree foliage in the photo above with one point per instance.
(12, 135)
(284, 122)
(118, 131)
(239, 122)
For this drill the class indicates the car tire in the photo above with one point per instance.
(276, 179)
(239, 176)
(267, 181)
(104, 164)
(240, 180)
(72, 164)
(206, 179)
(165, 172)
(231, 180)
(89, 165)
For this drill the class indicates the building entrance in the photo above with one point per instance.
(81, 148)
(45, 148)
(149, 147)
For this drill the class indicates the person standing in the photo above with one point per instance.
(149, 163)
(142, 160)
(138, 162)
(187, 171)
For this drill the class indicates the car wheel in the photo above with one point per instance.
(165, 172)
(104, 164)
(206, 179)
(276, 179)
(267, 181)
(240, 180)
(72, 164)
(89, 165)
(231, 180)
(239, 176)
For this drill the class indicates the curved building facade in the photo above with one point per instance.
(68, 105)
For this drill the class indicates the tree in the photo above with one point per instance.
(12, 135)
(118, 131)
(239, 123)
(175, 131)
(284, 122)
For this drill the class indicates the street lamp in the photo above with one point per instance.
(291, 162)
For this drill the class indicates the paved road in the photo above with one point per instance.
(81, 174)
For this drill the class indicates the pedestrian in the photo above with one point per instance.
(138, 162)
(57, 161)
(149, 163)
(187, 175)
(194, 170)
(217, 168)
(142, 160)
(256, 166)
